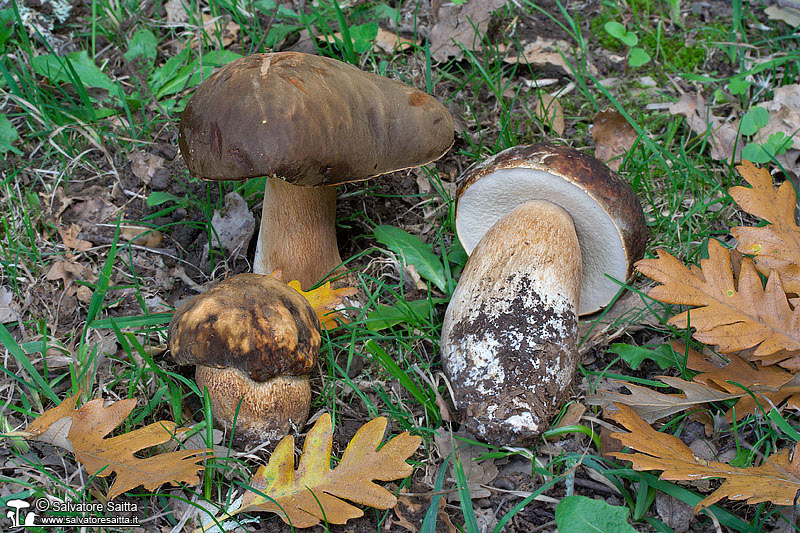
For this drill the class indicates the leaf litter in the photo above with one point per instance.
(83, 431)
(775, 480)
(315, 491)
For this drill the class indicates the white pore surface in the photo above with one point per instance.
(495, 194)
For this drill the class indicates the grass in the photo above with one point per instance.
(102, 328)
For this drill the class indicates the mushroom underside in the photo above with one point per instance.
(603, 254)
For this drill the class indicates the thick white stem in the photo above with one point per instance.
(509, 337)
(298, 233)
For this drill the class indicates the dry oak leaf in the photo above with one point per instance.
(85, 430)
(735, 318)
(551, 113)
(652, 405)
(754, 376)
(461, 26)
(71, 239)
(313, 491)
(323, 300)
(774, 481)
(141, 236)
(722, 136)
(613, 137)
(776, 246)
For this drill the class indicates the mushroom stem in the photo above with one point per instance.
(509, 338)
(262, 410)
(298, 232)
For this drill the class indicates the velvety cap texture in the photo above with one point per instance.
(310, 120)
(251, 322)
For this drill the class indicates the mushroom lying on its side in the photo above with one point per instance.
(254, 340)
(546, 227)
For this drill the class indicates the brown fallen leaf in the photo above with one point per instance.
(613, 137)
(750, 375)
(652, 405)
(7, 312)
(144, 165)
(477, 472)
(410, 515)
(550, 112)
(102, 456)
(387, 41)
(71, 240)
(85, 430)
(543, 52)
(177, 12)
(735, 318)
(784, 117)
(457, 25)
(789, 15)
(722, 136)
(390, 42)
(774, 481)
(316, 492)
(233, 226)
(52, 426)
(141, 236)
(777, 245)
(219, 29)
(68, 272)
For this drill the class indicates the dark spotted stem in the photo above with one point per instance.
(509, 338)
(298, 232)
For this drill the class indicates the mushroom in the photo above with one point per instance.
(308, 123)
(545, 226)
(254, 340)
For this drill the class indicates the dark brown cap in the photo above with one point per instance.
(309, 120)
(250, 322)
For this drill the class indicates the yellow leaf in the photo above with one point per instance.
(777, 245)
(735, 318)
(102, 457)
(774, 481)
(314, 491)
(325, 300)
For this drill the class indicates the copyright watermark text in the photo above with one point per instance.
(47, 512)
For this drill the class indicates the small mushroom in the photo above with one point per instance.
(254, 340)
(546, 226)
(308, 123)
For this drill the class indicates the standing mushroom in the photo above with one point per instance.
(254, 340)
(308, 123)
(546, 227)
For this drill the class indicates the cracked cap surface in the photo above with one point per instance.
(250, 322)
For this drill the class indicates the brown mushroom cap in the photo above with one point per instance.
(309, 120)
(251, 322)
(254, 340)
(607, 214)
